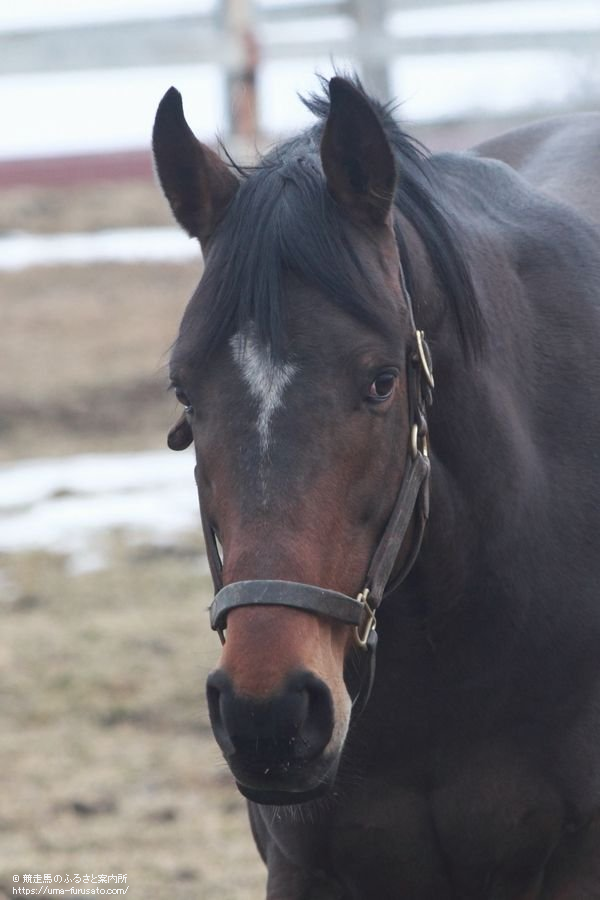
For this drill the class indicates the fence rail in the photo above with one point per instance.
(235, 37)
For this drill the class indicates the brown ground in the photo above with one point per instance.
(83, 207)
(107, 764)
(83, 349)
(83, 354)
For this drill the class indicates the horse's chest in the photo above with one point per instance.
(497, 820)
(485, 832)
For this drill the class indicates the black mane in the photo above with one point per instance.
(282, 219)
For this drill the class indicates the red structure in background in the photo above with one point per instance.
(82, 169)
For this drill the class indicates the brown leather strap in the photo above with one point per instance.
(307, 597)
(414, 486)
(410, 506)
(215, 563)
(212, 551)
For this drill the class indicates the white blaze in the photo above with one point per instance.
(266, 380)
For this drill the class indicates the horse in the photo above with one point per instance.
(390, 373)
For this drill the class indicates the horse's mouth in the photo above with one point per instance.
(285, 786)
(268, 797)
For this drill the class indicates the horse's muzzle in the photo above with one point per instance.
(275, 745)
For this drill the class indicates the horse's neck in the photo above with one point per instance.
(480, 462)
(507, 520)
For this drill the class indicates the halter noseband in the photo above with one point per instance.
(412, 505)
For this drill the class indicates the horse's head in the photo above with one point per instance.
(292, 364)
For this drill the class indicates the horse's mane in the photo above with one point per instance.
(283, 220)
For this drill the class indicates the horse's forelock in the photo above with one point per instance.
(282, 221)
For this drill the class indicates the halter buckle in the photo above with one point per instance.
(362, 631)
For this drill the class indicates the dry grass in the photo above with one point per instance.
(83, 208)
(83, 349)
(107, 763)
(83, 353)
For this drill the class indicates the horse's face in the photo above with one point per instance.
(299, 456)
(297, 471)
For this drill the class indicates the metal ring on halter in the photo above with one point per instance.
(425, 359)
(363, 631)
(414, 442)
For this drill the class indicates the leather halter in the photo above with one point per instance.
(411, 506)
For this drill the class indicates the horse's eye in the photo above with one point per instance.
(183, 399)
(383, 386)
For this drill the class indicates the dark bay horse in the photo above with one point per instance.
(350, 280)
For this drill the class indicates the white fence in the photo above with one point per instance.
(240, 36)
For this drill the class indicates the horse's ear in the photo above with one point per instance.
(356, 155)
(180, 436)
(196, 182)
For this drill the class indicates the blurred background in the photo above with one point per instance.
(107, 764)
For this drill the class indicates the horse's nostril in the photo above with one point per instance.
(218, 689)
(294, 725)
(213, 695)
(316, 726)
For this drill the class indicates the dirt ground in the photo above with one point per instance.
(107, 764)
(84, 207)
(83, 355)
(83, 349)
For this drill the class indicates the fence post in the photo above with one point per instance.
(370, 18)
(242, 60)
